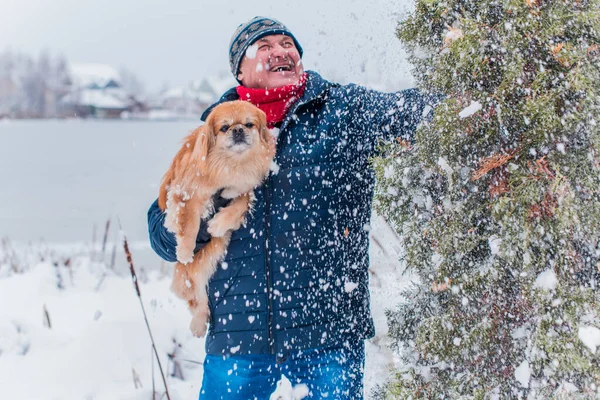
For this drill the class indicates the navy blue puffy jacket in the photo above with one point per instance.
(296, 276)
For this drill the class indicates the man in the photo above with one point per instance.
(291, 296)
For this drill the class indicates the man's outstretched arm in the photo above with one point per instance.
(388, 116)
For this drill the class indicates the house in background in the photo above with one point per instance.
(50, 87)
(191, 100)
(97, 92)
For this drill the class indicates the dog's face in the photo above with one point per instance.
(236, 126)
(235, 130)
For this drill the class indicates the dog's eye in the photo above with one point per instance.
(249, 125)
(224, 128)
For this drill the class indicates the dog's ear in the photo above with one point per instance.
(178, 165)
(264, 133)
(205, 141)
(164, 189)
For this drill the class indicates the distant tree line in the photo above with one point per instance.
(31, 87)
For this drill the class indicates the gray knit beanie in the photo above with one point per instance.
(248, 33)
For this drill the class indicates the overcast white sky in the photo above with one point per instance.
(175, 41)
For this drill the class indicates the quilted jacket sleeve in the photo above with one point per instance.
(387, 116)
(162, 241)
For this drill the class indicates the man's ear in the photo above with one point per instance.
(240, 77)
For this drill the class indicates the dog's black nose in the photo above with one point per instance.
(238, 135)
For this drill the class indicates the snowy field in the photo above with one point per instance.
(71, 325)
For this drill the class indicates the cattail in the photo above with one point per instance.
(134, 278)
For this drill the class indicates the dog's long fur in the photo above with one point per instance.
(209, 161)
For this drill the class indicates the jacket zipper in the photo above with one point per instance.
(268, 269)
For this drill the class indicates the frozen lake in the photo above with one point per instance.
(60, 178)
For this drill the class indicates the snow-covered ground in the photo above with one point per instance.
(77, 175)
(72, 328)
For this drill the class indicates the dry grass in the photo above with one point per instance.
(18, 259)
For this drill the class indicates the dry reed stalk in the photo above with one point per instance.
(106, 230)
(134, 278)
(177, 370)
(93, 252)
(136, 379)
(47, 318)
(113, 257)
(67, 264)
(111, 266)
(59, 277)
(153, 383)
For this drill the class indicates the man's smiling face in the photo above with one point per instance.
(272, 61)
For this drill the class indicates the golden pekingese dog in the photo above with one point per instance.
(232, 152)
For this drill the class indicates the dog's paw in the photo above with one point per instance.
(184, 254)
(198, 324)
(170, 221)
(219, 225)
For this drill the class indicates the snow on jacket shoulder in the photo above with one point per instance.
(296, 276)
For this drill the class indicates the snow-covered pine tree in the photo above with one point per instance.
(498, 202)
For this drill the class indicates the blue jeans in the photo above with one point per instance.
(331, 373)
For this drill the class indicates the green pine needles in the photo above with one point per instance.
(498, 202)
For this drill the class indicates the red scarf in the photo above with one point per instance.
(274, 102)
